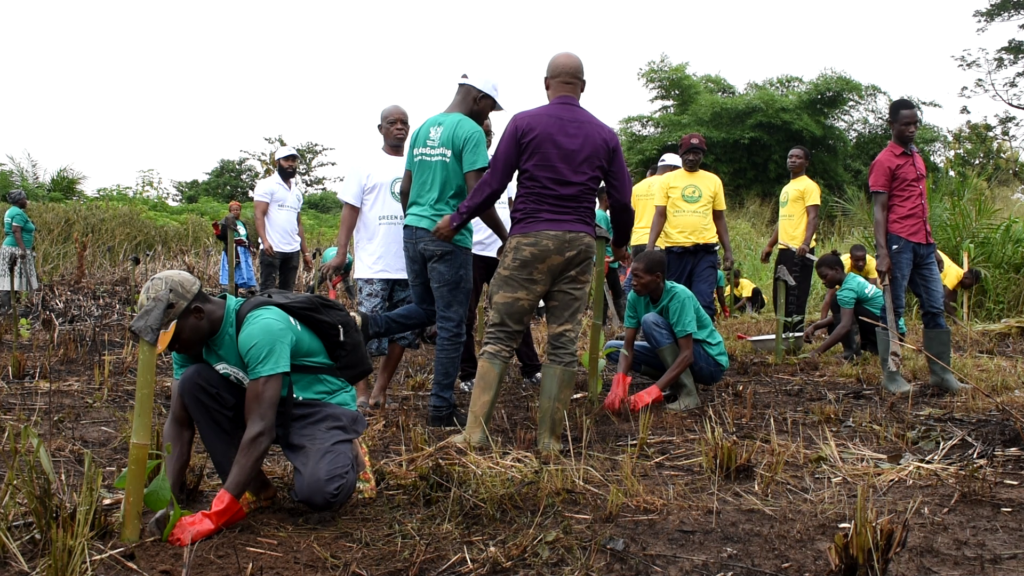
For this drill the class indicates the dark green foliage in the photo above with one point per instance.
(325, 202)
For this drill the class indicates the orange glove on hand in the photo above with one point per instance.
(224, 512)
(725, 311)
(618, 393)
(645, 397)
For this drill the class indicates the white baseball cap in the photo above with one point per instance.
(671, 159)
(285, 151)
(484, 85)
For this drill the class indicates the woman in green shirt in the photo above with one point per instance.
(16, 251)
(856, 308)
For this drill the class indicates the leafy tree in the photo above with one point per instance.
(230, 180)
(311, 164)
(150, 184)
(1002, 71)
(188, 191)
(986, 149)
(61, 185)
(325, 202)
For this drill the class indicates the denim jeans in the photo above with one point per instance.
(659, 333)
(913, 265)
(695, 267)
(441, 278)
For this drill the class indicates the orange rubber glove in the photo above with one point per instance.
(618, 393)
(224, 512)
(645, 397)
(725, 311)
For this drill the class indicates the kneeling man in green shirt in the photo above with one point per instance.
(239, 389)
(682, 346)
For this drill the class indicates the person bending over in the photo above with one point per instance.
(746, 296)
(856, 308)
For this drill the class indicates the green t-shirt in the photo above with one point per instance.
(856, 290)
(683, 312)
(441, 151)
(721, 280)
(270, 343)
(16, 217)
(241, 232)
(605, 222)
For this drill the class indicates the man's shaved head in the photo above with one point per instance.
(390, 110)
(564, 76)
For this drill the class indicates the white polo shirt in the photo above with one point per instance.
(282, 221)
(373, 187)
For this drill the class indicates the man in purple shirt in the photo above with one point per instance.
(562, 153)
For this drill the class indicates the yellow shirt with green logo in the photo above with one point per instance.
(643, 208)
(744, 290)
(793, 202)
(951, 273)
(869, 272)
(689, 198)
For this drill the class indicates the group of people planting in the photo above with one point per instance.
(292, 369)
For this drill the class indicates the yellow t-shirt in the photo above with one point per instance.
(689, 198)
(869, 268)
(793, 202)
(643, 207)
(951, 273)
(745, 289)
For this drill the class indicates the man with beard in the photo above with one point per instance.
(447, 157)
(277, 203)
(562, 153)
(690, 218)
(373, 212)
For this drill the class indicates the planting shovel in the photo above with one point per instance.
(895, 354)
(782, 278)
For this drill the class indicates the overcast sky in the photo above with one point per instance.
(115, 87)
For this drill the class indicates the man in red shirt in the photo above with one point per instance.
(906, 249)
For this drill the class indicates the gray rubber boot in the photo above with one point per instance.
(892, 381)
(938, 344)
(489, 377)
(556, 385)
(684, 387)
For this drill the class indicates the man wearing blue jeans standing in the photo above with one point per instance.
(447, 157)
(906, 249)
(682, 346)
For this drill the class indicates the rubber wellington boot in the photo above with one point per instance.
(937, 344)
(556, 385)
(489, 376)
(684, 388)
(892, 381)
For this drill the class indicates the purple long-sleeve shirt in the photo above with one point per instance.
(562, 153)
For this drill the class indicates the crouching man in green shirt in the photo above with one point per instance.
(239, 389)
(682, 344)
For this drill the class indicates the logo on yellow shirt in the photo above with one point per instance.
(784, 199)
(692, 194)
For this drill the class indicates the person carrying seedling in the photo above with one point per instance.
(245, 275)
(247, 374)
(562, 153)
(682, 347)
(746, 296)
(954, 278)
(690, 218)
(856, 261)
(856, 309)
(905, 248)
(798, 221)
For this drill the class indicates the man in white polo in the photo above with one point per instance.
(278, 202)
(372, 213)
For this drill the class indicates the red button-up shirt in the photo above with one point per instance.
(901, 174)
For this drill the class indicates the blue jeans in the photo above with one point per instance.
(659, 333)
(695, 267)
(441, 278)
(913, 265)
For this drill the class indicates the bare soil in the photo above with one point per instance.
(629, 497)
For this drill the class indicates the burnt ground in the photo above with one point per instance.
(758, 481)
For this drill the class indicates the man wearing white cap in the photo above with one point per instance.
(447, 157)
(643, 207)
(279, 224)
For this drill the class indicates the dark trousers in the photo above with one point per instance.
(756, 301)
(618, 296)
(316, 437)
(279, 271)
(802, 270)
(529, 363)
(868, 341)
(695, 267)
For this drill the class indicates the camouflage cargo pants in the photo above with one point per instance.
(554, 266)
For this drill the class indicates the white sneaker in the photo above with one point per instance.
(466, 385)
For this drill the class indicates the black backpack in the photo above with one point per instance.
(331, 323)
